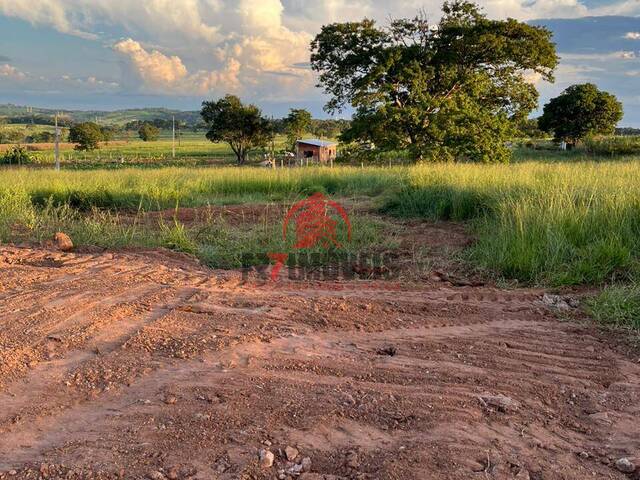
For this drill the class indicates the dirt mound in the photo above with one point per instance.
(140, 366)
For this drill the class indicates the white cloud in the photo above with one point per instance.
(632, 35)
(11, 72)
(250, 47)
(153, 68)
(598, 57)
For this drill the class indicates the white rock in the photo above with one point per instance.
(291, 453)
(625, 465)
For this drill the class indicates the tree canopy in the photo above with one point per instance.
(297, 124)
(449, 91)
(241, 126)
(86, 136)
(148, 132)
(580, 111)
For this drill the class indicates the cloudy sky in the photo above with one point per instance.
(109, 54)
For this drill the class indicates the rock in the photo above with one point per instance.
(266, 458)
(173, 473)
(625, 465)
(523, 474)
(13, 472)
(170, 400)
(295, 470)
(555, 301)
(156, 476)
(306, 464)
(63, 242)
(352, 460)
(500, 402)
(291, 453)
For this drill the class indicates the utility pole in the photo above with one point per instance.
(173, 138)
(57, 145)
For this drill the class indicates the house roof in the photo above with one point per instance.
(317, 143)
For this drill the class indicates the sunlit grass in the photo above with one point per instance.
(542, 223)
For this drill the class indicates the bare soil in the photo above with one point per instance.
(147, 365)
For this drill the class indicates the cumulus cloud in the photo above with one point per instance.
(153, 68)
(155, 72)
(256, 48)
(632, 36)
(10, 72)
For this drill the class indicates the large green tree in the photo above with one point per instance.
(579, 111)
(297, 124)
(86, 136)
(241, 126)
(449, 91)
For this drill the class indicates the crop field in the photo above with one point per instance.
(484, 313)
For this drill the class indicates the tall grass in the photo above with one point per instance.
(163, 188)
(553, 224)
(543, 223)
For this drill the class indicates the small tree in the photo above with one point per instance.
(579, 111)
(86, 136)
(148, 132)
(297, 124)
(241, 126)
(16, 156)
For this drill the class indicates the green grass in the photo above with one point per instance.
(164, 188)
(547, 224)
(618, 306)
(128, 149)
(542, 223)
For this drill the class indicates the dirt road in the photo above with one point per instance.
(148, 366)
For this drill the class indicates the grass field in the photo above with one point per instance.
(541, 223)
(127, 149)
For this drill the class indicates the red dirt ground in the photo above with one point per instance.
(146, 365)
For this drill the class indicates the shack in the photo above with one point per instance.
(314, 150)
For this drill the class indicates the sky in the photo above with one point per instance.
(113, 54)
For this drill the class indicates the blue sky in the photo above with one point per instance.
(111, 54)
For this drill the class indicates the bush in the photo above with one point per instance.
(613, 146)
(148, 132)
(16, 156)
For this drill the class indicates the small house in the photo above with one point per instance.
(314, 150)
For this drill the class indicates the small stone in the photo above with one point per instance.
(352, 459)
(267, 443)
(266, 458)
(170, 400)
(12, 472)
(625, 465)
(555, 301)
(500, 402)
(584, 455)
(291, 453)
(295, 470)
(156, 476)
(173, 473)
(63, 242)
(306, 464)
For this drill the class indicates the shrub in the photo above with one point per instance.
(16, 156)
(613, 146)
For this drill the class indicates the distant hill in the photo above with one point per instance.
(19, 114)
